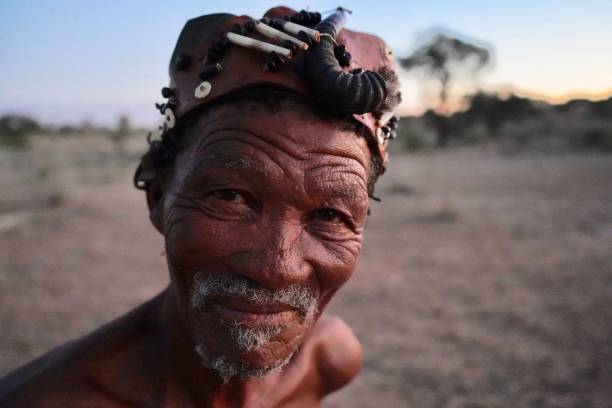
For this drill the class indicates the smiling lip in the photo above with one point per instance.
(242, 310)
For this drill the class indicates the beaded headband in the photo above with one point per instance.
(219, 54)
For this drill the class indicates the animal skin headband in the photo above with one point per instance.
(219, 54)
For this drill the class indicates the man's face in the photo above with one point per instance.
(263, 222)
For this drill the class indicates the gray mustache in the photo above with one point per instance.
(300, 297)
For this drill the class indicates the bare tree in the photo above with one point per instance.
(445, 60)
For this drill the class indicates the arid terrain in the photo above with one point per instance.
(485, 280)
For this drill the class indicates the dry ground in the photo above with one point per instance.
(485, 281)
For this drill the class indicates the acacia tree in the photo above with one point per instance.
(446, 60)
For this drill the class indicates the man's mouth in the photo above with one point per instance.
(241, 310)
(238, 299)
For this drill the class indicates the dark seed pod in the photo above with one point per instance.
(218, 49)
(167, 92)
(210, 71)
(291, 46)
(302, 36)
(307, 18)
(170, 104)
(274, 22)
(249, 26)
(338, 91)
(239, 29)
(386, 130)
(275, 61)
(393, 123)
(182, 61)
(160, 107)
(316, 18)
(279, 59)
(342, 55)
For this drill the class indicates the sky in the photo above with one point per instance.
(69, 61)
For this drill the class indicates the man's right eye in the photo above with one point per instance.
(231, 196)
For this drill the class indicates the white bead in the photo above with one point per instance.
(203, 90)
(169, 118)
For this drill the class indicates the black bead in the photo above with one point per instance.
(302, 36)
(182, 61)
(167, 92)
(345, 59)
(387, 131)
(291, 46)
(277, 58)
(249, 26)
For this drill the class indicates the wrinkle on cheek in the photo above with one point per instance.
(335, 261)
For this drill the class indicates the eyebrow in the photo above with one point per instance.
(337, 189)
(243, 164)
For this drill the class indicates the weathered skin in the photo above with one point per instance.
(260, 212)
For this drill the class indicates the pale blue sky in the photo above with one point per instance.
(69, 60)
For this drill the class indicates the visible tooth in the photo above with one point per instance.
(296, 28)
(279, 35)
(254, 44)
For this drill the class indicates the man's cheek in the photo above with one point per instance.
(194, 241)
(333, 261)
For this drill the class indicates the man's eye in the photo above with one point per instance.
(328, 215)
(231, 196)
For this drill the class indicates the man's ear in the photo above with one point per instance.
(155, 202)
(154, 183)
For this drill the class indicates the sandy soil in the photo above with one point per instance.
(485, 281)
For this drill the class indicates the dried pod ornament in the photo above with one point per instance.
(363, 88)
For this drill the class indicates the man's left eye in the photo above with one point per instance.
(328, 215)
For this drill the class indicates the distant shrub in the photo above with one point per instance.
(15, 129)
(414, 135)
(596, 136)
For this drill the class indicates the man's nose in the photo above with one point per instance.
(275, 258)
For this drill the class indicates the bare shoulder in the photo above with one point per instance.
(337, 353)
(53, 380)
(73, 371)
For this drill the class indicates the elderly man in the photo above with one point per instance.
(273, 138)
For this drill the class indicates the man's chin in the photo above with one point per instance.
(241, 365)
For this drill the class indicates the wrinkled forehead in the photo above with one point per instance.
(286, 128)
(272, 140)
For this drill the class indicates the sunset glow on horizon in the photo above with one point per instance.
(69, 61)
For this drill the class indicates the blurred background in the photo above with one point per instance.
(486, 277)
